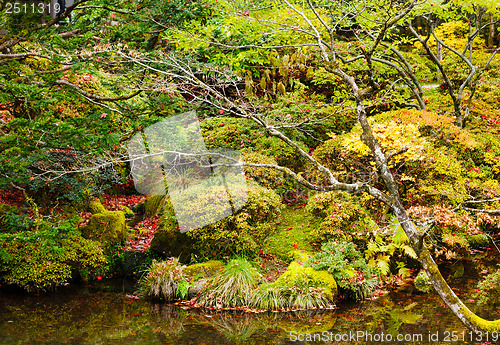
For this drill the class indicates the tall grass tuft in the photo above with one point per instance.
(233, 287)
(160, 282)
(274, 296)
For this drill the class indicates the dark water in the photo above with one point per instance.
(103, 314)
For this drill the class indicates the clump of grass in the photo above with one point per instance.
(275, 297)
(269, 297)
(160, 282)
(233, 287)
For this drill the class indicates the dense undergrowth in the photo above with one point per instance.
(68, 214)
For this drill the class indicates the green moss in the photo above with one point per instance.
(204, 269)
(297, 274)
(479, 322)
(128, 212)
(478, 241)
(140, 208)
(291, 233)
(107, 227)
(96, 207)
(299, 255)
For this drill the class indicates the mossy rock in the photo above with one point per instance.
(204, 269)
(128, 212)
(107, 227)
(168, 239)
(172, 243)
(96, 207)
(140, 208)
(297, 274)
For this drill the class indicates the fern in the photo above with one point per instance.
(182, 288)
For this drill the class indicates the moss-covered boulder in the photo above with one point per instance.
(298, 275)
(96, 207)
(107, 227)
(204, 269)
(128, 212)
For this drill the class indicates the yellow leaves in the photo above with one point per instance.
(490, 158)
(405, 177)
(392, 137)
(453, 34)
(490, 5)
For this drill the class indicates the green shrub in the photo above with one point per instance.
(343, 217)
(229, 132)
(299, 275)
(11, 220)
(350, 270)
(242, 233)
(233, 287)
(44, 259)
(283, 153)
(488, 290)
(267, 177)
(422, 282)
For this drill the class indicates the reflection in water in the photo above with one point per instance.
(105, 315)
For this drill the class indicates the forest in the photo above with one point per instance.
(255, 155)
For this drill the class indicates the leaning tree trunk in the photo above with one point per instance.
(469, 319)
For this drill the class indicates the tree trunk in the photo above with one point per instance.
(491, 36)
(468, 318)
(439, 56)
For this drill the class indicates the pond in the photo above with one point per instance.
(107, 313)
